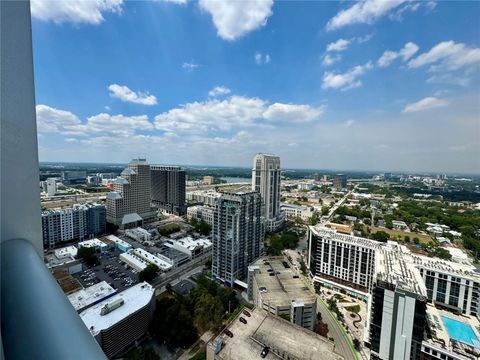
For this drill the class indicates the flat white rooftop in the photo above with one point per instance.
(190, 243)
(91, 243)
(90, 295)
(145, 255)
(133, 260)
(134, 299)
(68, 251)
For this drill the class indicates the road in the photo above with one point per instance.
(334, 208)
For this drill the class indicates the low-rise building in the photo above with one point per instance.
(66, 252)
(297, 211)
(139, 234)
(119, 243)
(93, 243)
(84, 298)
(192, 247)
(119, 321)
(199, 213)
(274, 287)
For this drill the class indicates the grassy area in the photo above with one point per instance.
(395, 233)
(355, 308)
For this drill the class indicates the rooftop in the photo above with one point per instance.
(280, 335)
(91, 243)
(90, 295)
(395, 266)
(282, 288)
(134, 298)
(321, 230)
(163, 264)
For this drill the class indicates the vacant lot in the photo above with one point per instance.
(395, 233)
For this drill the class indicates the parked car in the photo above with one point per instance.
(245, 312)
(228, 333)
(243, 320)
(265, 352)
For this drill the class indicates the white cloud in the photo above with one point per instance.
(292, 113)
(331, 59)
(349, 123)
(261, 58)
(211, 115)
(339, 45)
(123, 93)
(233, 19)
(190, 66)
(447, 55)
(405, 53)
(425, 104)
(346, 80)
(74, 11)
(235, 112)
(460, 80)
(219, 90)
(179, 2)
(107, 107)
(51, 120)
(119, 125)
(365, 12)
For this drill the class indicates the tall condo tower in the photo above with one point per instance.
(238, 233)
(266, 181)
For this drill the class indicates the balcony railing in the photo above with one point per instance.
(38, 321)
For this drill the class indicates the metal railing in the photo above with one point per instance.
(38, 321)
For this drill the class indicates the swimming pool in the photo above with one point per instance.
(460, 331)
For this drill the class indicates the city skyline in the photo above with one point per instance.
(365, 88)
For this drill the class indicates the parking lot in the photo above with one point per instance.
(109, 270)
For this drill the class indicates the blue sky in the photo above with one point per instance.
(377, 85)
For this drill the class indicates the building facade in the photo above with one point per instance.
(238, 233)
(129, 201)
(341, 258)
(199, 212)
(409, 296)
(120, 320)
(266, 180)
(339, 181)
(168, 188)
(74, 177)
(76, 223)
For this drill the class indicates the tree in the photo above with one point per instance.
(314, 219)
(406, 238)
(149, 273)
(324, 210)
(143, 353)
(317, 287)
(356, 344)
(88, 254)
(381, 236)
(442, 253)
(303, 267)
(416, 240)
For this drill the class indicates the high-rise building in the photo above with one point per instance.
(266, 181)
(412, 297)
(238, 233)
(75, 223)
(208, 180)
(168, 188)
(74, 177)
(129, 202)
(339, 181)
(317, 177)
(51, 185)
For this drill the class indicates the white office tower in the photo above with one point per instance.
(238, 232)
(51, 187)
(266, 181)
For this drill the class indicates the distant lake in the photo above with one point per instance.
(230, 180)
